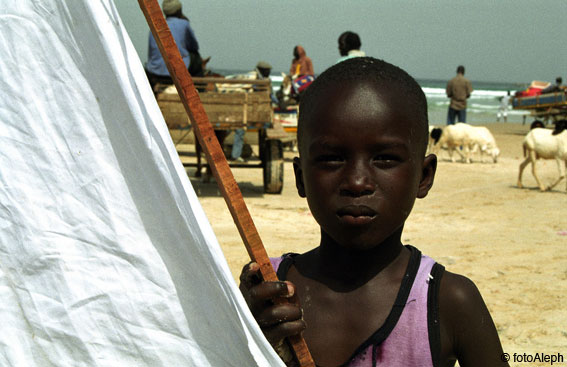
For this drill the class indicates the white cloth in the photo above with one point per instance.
(106, 256)
(351, 54)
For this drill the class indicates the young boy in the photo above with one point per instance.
(363, 298)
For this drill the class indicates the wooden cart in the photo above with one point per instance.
(548, 106)
(235, 104)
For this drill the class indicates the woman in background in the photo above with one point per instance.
(301, 64)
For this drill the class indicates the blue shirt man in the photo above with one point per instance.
(184, 38)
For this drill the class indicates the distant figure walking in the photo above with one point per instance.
(503, 109)
(349, 46)
(301, 64)
(459, 89)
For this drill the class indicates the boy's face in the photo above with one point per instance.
(361, 167)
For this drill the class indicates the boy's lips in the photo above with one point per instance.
(356, 214)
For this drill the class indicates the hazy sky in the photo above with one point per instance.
(496, 40)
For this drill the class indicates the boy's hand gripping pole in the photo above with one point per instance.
(215, 156)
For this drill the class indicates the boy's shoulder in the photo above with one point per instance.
(459, 298)
(457, 289)
(467, 328)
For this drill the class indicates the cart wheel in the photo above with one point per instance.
(273, 167)
(261, 144)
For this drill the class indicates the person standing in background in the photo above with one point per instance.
(349, 46)
(301, 64)
(186, 42)
(503, 109)
(458, 89)
(557, 87)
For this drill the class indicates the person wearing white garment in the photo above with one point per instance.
(349, 46)
(503, 109)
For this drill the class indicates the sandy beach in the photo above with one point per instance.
(475, 221)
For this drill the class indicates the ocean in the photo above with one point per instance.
(482, 106)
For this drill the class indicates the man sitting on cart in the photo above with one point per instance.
(186, 41)
(557, 87)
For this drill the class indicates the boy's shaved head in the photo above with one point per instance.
(367, 70)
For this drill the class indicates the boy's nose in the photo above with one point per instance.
(357, 181)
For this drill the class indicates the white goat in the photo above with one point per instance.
(545, 144)
(469, 138)
(485, 142)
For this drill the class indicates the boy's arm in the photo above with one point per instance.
(466, 325)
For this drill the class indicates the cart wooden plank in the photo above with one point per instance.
(226, 111)
(541, 101)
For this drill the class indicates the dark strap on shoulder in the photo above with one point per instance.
(287, 262)
(433, 325)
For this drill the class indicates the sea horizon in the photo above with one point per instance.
(482, 106)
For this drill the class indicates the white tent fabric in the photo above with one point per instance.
(106, 256)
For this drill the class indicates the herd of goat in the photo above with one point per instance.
(539, 143)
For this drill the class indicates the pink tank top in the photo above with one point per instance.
(410, 334)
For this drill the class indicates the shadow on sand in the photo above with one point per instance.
(211, 189)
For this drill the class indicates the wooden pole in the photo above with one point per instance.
(215, 155)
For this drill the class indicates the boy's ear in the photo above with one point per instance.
(298, 177)
(427, 175)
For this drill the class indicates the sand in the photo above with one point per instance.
(511, 242)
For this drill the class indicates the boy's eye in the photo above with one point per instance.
(330, 159)
(386, 159)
